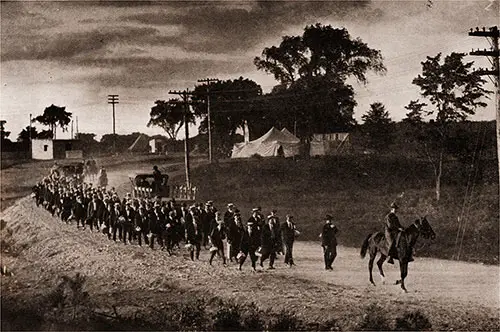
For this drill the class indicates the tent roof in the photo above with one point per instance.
(289, 134)
(275, 135)
(141, 143)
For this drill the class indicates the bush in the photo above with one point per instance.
(413, 321)
(227, 318)
(193, 316)
(374, 319)
(253, 320)
(285, 321)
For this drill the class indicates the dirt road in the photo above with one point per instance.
(454, 295)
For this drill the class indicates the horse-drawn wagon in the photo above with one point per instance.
(145, 186)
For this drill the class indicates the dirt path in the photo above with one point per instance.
(454, 295)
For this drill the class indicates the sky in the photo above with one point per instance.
(75, 54)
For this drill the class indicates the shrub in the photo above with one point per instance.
(413, 321)
(193, 315)
(253, 319)
(227, 318)
(285, 321)
(374, 319)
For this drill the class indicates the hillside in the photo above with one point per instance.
(357, 192)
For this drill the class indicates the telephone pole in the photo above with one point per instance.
(185, 98)
(493, 34)
(113, 100)
(207, 81)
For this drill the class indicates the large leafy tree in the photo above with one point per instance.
(88, 142)
(454, 92)
(169, 115)
(378, 126)
(3, 133)
(55, 116)
(312, 71)
(232, 102)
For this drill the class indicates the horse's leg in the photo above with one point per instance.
(403, 267)
(379, 264)
(370, 265)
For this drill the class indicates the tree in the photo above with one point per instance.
(455, 92)
(378, 126)
(88, 142)
(312, 70)
(55, 116)
(232, 102)
(169, 116)
(3, 133)
(27, 133)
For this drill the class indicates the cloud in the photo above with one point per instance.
(143, 72)
(65, 45)
(234, 27)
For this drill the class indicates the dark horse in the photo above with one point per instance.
(375, 242)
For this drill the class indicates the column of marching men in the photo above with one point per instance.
(171, 226)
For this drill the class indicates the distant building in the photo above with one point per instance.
(329, 144)
(47, 149)
(158, 145)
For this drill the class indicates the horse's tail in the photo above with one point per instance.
(365, 245)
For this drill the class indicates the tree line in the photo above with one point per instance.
(312, 95)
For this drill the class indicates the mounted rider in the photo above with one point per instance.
(392, 229)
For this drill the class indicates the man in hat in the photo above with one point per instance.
(194, 236)
(78, 211)
(255, 219)
(94, 212)
(217, 235)
(206, 217)
(249, 243)
(288, 233)
(234, 231)
(270, 242)
(392, 228)
(229, 214)
(329, 242)
(157, 179)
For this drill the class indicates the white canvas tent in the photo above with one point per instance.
(272, 144)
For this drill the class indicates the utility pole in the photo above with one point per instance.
(31, 138)
(207, 81)
(494, 53)
(113, 100)
(185, 98)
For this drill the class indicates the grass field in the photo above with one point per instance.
(357, 191)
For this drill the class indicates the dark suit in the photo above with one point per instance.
(140, 221)
(250, 242)
(329, 244)
(217, 235)
(94, 213)
(194, 236)
(79, 213)
(127, 225)
(270, 243)
(288, 237)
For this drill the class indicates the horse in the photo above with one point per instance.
(375, 243)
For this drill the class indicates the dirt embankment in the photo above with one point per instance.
(136, 280)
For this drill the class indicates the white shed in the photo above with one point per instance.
(42, 149)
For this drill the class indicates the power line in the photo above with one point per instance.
(493, 35)
(113, 100)
(207, 82)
